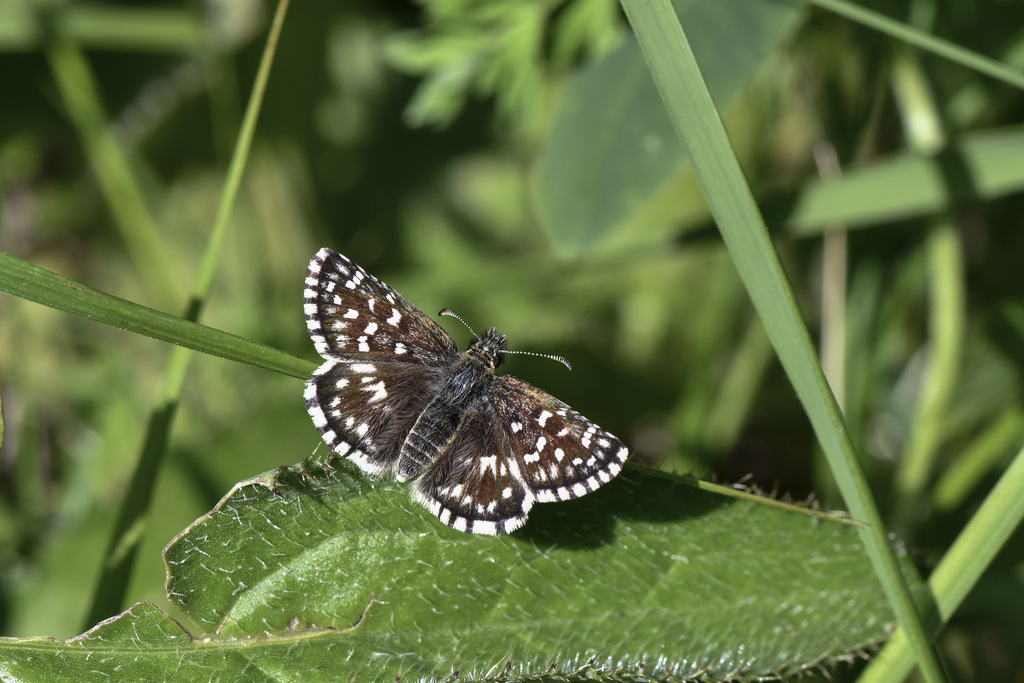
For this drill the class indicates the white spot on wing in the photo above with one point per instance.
(489, 463)
(513, 469)
(379, 391)
(482, 527)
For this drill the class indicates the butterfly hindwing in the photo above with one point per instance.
(562, 454)
(365, 409)
(519, 446)
(474, 485)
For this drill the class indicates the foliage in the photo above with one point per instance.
(356, 581)
(527, 176)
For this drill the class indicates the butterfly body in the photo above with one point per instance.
(396, 396)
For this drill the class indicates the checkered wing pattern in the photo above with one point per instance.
(364, 410)
(561, 454)
(520, 447)
(476, 486)
(383, 358)
(352, 315)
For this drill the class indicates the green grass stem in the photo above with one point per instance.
(698, 125)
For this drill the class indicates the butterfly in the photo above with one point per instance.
(395, 396)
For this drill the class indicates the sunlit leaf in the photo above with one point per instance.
(345, 577)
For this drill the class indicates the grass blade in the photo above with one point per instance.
(127, 534)
(969, 556)
(697, 122)
(925, 41)
(34, 283)
(139, 229)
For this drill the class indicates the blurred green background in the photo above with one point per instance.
(512, 161)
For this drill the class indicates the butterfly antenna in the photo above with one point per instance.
(455, 315)
(561, 359)
(564, 361)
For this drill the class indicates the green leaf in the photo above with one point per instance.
(982, 165)
(612, 146)
(341, 576)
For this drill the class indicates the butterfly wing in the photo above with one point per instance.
(519, 445)
(364, 411)
(383, 361)
(561, 454)
(350, 314)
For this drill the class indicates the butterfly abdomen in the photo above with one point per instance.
(432, 433)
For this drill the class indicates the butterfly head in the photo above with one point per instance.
(489, 348)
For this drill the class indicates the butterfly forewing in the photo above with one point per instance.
(350, 313)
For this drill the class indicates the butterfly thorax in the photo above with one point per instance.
(465, 383)
(473, 371)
